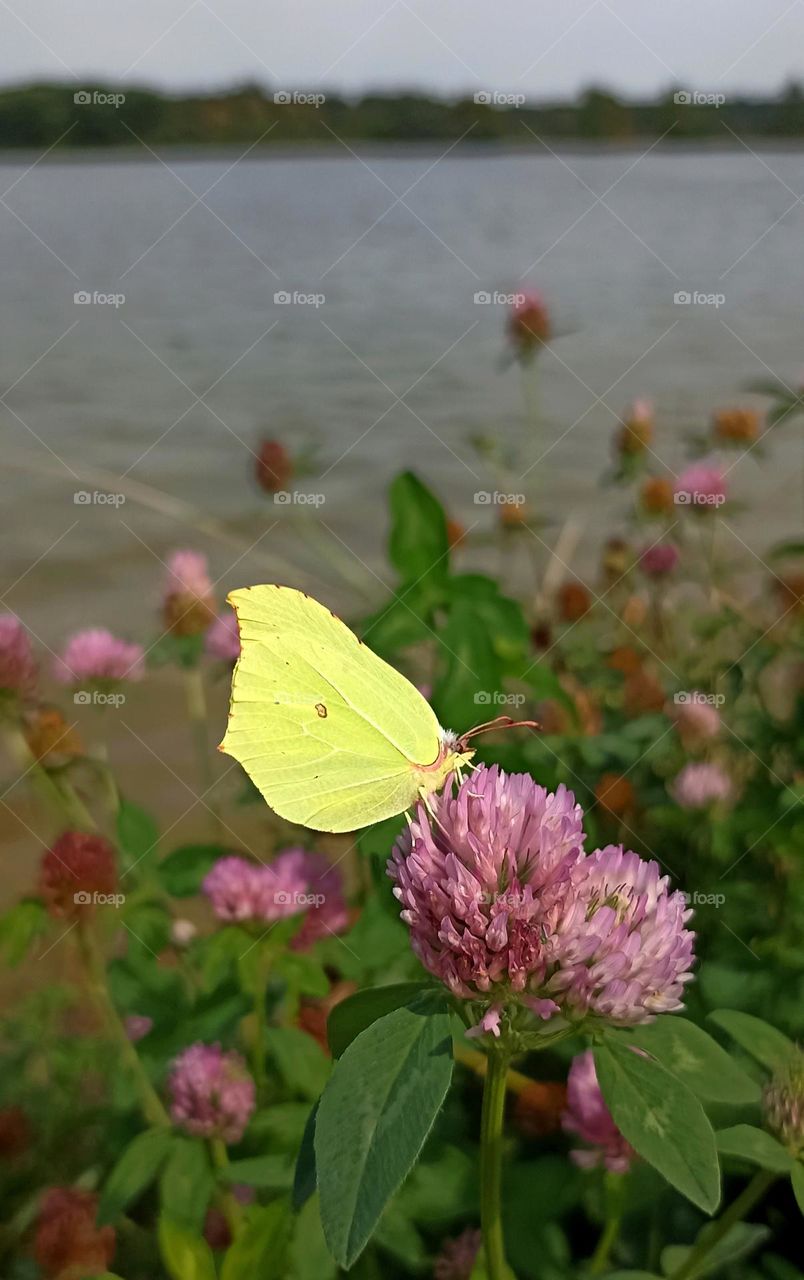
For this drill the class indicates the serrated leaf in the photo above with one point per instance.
(19, 929)
(759, 1039)
(186, 1255)
(374, 1117)
(352, 1015)
(136, 1169)
(756, 1146)
(662, 1119)
(260, 1249)
(695, 1058)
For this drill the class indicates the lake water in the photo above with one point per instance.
(398, 245)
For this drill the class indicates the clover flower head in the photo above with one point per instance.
(18, 669)
(96, 655)
(623, 952)
(700, 784)
(482, 879)
(212, 1094)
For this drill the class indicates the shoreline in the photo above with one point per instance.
(136, 153)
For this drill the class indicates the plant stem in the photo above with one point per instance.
(95, 973)
(197, 711)
(611, 1230)
(61, 798)
(491, 1143)
(232, 1211)
(713, 1234)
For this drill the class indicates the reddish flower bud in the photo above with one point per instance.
(75, 872)
(68, 1245)
(273, 466)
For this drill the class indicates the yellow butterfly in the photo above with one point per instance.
(333, 737)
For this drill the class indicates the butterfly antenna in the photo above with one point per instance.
(501, 722)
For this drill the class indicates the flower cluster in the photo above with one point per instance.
(18, 668)
(67, 1241)
(77, 870)
(783, 1104)
(98, 656)
(588, 1116)
(504, 907)
(222, 641)
(188, 603)
(212, 1094)
(700, 784)
(296, 881)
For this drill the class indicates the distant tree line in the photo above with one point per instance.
(36, 115)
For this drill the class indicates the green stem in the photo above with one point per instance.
(95, 973)
(197, 710)
(491, 1144)
(61, 798)
(611, 1230)
(713, 1234)
(231, 1209)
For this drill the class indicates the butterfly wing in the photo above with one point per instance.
(327, 731)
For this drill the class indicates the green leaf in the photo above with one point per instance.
(739, 1241)
(304, 973)
(469, 686)
(375, 1115)
(694, 1058)
(137, 833)
(261, 1247)
(762, 1041)
(399, 624)
(186, 1184)
(135, 1170)
(797, 1180)
(19, 929)
(310, 1258)
(183, 870)
(305, 1177)
(502, 617)
(300, 1060)
(271, 1173)
(352, 1015)
(756, 1146)
(186, 1255)
(418, 546)
(662, 1119)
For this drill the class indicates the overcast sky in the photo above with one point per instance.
(541, 47)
